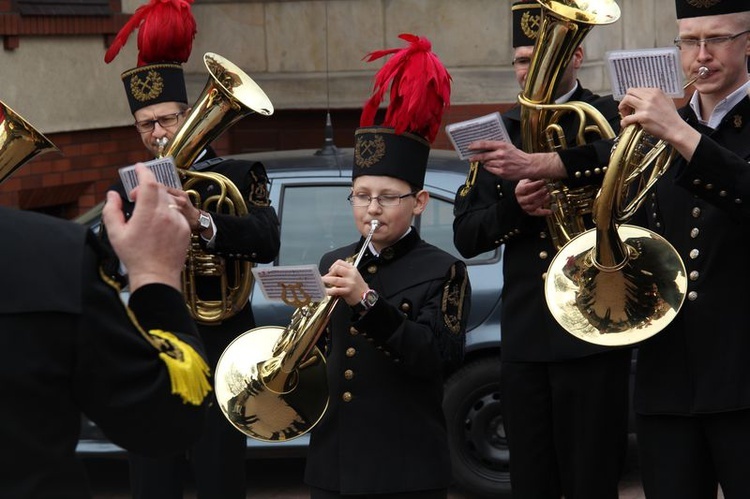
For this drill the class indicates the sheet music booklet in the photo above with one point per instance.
(295, 285)
(164, 170)
(658, 68)
(463, 133)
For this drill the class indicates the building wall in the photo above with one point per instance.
(305, 55)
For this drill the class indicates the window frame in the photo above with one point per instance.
(27, 18)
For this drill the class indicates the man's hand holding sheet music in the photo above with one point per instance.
(485, 140)
(505, 160)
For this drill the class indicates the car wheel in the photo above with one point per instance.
(479, 449)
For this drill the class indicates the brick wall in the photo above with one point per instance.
(69, 183)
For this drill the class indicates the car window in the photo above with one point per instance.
(436, 227)
(316, 219)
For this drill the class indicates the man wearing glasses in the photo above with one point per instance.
(158, 100)
(159, 121)
(692, 390)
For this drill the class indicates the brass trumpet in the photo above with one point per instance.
(620, 284)
(19, 142)
(564, 26)
(270, 382)
(228, 96)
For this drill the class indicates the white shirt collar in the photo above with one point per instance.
(566, 97)
(376, 253)
(722, 108)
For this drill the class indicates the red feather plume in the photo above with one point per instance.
(420, 89)
(166, 29)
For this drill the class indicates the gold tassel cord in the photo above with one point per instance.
(188, 372)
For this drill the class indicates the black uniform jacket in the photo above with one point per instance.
(700, 363)
(68, 346)
(488, 215)
(253, 237)
(384, 430)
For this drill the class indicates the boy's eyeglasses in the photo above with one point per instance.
(383, 200)
(168, 120)
(710, 43)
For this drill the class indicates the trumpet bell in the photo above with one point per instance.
(19, 142)
(589, 12)
(228, 96)
(237, 83)
(621, 305)
(259, 398)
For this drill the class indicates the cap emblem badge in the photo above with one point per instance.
(150, 88)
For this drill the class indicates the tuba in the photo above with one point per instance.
(19, 142)
(564, 26)
(228, 96)
(270, 382)
(619, 284)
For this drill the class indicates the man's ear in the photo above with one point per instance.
(422, 197)
(578, 57)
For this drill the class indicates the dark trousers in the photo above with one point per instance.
(567, 425)
(689, 456)
(216, 462)
(316, 493)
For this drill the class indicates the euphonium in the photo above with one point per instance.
(19, 142)
(270, 382)
(228, 96)
(620, 284)
(564, 26)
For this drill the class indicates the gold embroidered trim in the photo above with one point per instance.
(369, 152)
(471, 179)
(148, 89)
(702, 4)
(453, 299)
(530, 25)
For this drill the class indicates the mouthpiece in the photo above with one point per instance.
(702, 73)
(374, 225)
(162, 143)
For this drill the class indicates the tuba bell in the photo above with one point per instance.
(618, 284)
(19, 142)
(228, 96)
(563, 27)
(270, 382)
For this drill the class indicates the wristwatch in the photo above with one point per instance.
(369, 299)
(204, 221)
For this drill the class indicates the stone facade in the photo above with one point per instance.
(305, 55)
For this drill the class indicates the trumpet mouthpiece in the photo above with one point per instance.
(161, 143)
(701, 73)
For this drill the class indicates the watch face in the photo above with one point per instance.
(371, 297)
(204, 221)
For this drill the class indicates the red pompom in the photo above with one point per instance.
(420, 88)
(166, 29)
